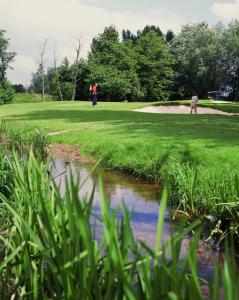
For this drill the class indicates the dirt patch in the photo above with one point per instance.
(182, 109)
(3, 139)
(67, 152)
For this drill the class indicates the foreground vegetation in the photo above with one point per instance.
(49, 250)
(197, 155)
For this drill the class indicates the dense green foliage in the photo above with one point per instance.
(6, 92)
(134, 68)
(6, 58)
(229, 61)
(197, 51)
(51, 251)
(153, 66)
(113, 64)
(19, 88)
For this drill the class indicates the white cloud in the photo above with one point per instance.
(29, 22)
(23, 67)
(226, 11)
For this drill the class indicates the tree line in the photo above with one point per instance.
(149, 65)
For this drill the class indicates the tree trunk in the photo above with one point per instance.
(41, 65)
(59, 89)
(57, 76)
(74, 93)
(43, 85)
(75, 70)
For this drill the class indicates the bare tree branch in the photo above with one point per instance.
(75, 72)
(57, 75)
(42, 66)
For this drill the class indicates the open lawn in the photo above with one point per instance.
(197, 154)
(116, 129)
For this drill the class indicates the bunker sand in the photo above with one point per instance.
(182, 109)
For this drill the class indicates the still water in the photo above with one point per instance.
(141, 199)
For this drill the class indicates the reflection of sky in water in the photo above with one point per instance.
(142, 201)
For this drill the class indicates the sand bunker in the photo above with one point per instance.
(182, 109)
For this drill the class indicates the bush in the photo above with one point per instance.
(6, 92)
(66, 89)
(30, 98)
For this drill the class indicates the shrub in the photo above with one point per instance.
(6, 92)
(24, 139)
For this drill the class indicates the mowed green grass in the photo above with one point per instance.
(125, 138)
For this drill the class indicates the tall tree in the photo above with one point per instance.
(41, 64)
(19, 88)
(127, 35)
(149, 28)
(59, 80)
(229, 60)
(197, 50)
(154, 66)
(6, 57)
(113, 65)
(102, 44)
(169, 36)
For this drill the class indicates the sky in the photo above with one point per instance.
(29, 22)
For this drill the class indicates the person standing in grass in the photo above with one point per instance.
(93, 91)
(194, 103)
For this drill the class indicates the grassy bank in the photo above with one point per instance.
(198, 155)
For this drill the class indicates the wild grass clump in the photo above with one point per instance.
(53, 252)
(6, 175)
(30, 98)
(24, 138)
(210, 193)
(6, 188)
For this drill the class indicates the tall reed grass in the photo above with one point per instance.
(204, 193)
(22, 138)
(6, 175)
(52, 252)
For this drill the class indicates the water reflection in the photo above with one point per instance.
(141, 199)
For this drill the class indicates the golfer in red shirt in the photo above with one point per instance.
(93, 91)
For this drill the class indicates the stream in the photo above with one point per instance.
(142, 200)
